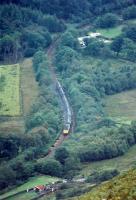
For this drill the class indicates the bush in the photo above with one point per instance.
(107, 21)
(7, 176)
(103, 175)
(61, 154)
(129, 13)
(29, 52)
(49, 167)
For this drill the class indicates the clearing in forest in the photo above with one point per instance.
(111, 32)
(10, 90)
(121, 107)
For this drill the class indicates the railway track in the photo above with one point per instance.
(67, 112)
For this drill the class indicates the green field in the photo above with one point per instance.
(10, 90)
(110, 32)
(121, 107)
(121, 163)
(40, 180)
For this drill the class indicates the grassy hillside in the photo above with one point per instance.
(121, 107)
(120, 188)
(121, 163)
(10, 90)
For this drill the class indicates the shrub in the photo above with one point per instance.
(49, 167)
(103, 175)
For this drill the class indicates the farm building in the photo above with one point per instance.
(82, 43)
(39, 188)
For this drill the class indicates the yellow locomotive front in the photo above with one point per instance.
(65, 132)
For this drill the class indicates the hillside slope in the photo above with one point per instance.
(120, 188)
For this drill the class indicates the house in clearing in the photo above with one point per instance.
(82, 42)
(39, 188)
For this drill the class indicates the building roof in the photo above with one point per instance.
(40, 187)
(94, 34)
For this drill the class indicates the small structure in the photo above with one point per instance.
(105, 40)
(80, 180)
(94, 35)
(82, 43)
(64, 181)
(39, 188)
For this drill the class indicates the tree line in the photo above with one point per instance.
(24, 31)
(74, 10)
(107, 144)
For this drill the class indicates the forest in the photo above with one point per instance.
(28, 29)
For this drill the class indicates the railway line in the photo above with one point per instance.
(67, 112)
(68, 123)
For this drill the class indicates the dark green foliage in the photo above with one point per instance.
(64, 58)
(108, 144)
(49, 167)
(130, 32)
(69, 39)
(75, 10)
(24, 31)
(103, 175)
(9, 47)
(11, 145)
(72, 163)
(117, 44)
(93, 48)
(61, 154)
(130, 12)
(106, 21)
(53, 24)
(23, 170)
(31, 41)
(7, 176)
(47, 116)
(129, 50)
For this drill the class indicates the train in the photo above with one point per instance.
(67, 111)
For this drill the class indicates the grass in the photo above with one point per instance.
(121, 107)
(110, 32)
(10, 90)
(24, 196)
(122, 187)
(29, 86)
(29, 93)
(122, 163)
(39, 180)
(115, 31)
